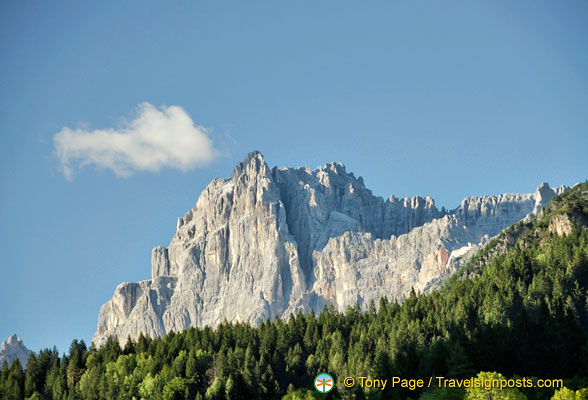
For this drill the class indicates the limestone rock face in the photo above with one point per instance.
(268, 242)
(13, 349)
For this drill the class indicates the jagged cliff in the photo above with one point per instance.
(13, 349)
(271, 241)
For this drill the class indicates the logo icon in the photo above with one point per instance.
(324, 383)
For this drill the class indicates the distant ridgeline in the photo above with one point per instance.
(519, 307)
(14, 349)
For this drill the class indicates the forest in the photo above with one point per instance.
(519, 308)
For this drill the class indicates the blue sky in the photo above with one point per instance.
(446, 99)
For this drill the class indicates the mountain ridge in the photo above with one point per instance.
(521, 313)
(14, 349)
(269, 242)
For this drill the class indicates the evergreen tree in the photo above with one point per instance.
(14, 384)
(269, 388)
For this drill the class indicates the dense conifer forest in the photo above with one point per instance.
(519, 308)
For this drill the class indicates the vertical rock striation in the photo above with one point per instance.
(268, 242)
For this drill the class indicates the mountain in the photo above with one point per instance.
(518, 308)
(269, 242)
(13, 349)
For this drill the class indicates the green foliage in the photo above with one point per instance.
(13, 386)
(236, 388)
(174, 389)
(216, 391)
(519, 307)
(303, 394)
(443, 394)
(495, 393)
(567, 394)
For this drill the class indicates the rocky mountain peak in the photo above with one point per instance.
(335, 167)
(543, 195)
(13, 340)
(544, 192)
(269, 242)
(253, 160)
(13, 348)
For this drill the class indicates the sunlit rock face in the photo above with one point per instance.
(12, 349)
(268, 242)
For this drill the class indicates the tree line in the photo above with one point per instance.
(523, 313)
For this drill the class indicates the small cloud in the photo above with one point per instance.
(156, 138)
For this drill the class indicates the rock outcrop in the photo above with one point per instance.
(268, 242)
(13, 349)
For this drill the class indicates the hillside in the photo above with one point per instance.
(522, 311)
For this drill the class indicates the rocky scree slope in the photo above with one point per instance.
(269, 242)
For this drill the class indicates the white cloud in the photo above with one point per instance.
(156, 138)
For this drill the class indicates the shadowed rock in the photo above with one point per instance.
(268, 242)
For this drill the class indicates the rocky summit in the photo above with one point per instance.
(269, 242)
(13, 349)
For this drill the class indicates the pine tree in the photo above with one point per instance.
(269, 387)
(33, 376)
(236, 388)
(14, 385)
(129, 346)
